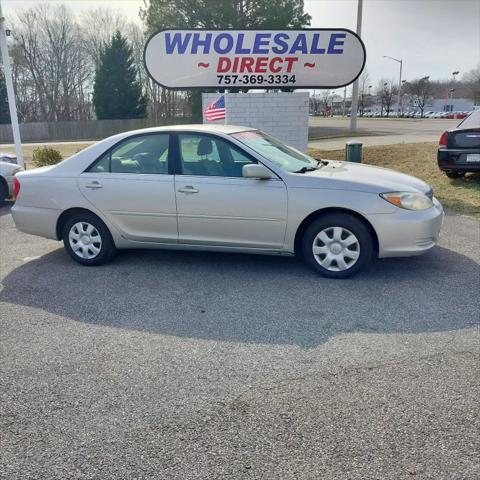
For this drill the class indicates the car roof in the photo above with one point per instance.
(196, 127)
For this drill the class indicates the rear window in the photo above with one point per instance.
(472, 121)
(465, 139)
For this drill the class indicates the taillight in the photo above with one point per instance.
(16, 187)
(443, 141)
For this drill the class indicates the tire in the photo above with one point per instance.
(343, 245)
(3, 191)
(455, 174)
(96, 245)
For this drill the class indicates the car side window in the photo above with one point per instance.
(207, 155)
(147, 154)
(101, 165)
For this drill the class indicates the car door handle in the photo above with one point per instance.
(94, 184)
(188, 189)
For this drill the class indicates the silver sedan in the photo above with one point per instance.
(225, 188)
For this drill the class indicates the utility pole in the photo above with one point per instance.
(400, 61)
(7, 70)
(353, 115)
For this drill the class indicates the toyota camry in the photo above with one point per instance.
(225, 188)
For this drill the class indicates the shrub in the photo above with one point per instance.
(43, 156)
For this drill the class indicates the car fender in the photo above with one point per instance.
(303, 202)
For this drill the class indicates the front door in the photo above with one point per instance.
(217, 206)
(131, 185)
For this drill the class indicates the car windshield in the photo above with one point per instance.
(287, 158)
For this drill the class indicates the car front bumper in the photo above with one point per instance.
(405, 233)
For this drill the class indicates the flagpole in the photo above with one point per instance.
(226, 112)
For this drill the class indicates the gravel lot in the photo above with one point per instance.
(176, 365)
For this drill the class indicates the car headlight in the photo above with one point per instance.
(408, 200)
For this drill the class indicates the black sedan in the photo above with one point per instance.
(459, 149)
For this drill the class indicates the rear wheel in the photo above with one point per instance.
(455, 174)
(87, 239)
(337, 245)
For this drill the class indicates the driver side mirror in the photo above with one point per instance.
(254, 170)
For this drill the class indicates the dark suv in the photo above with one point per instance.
(459, 149)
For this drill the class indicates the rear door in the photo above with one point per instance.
(217, 205)
(133, 186)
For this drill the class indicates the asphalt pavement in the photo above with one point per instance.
(188, 365)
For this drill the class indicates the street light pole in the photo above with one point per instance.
(354, 107)
(400, 61)
(10, 91)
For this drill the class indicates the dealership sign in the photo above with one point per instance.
(308, 58)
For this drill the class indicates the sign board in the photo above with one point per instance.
(307, 58)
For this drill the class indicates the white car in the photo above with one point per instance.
(225, 188)
(7, 171)
(8, 157)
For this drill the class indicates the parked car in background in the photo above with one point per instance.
(459, 148)
(7, 171)
(8, 157)
(225, 188)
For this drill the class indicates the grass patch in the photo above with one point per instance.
(420, 160)
(66, 149)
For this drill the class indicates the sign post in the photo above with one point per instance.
(354, 105)
(254, 59)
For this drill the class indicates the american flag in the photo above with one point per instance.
(216, 110)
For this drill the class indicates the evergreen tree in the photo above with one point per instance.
(4, 111)
(116, 91)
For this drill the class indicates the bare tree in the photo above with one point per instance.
(162, 102)
(471, 80)
(55, 57)
(98, 26)
(325, 101)
(364, 94)
(386, 92)
(420, 91)
(25, 92)
(50, 51)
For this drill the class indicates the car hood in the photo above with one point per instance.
(361, 177)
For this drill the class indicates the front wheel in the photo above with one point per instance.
(337, 245)
(87, 240)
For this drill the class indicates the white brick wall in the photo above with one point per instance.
(281, 114)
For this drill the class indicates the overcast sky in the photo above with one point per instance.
(433, 37)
